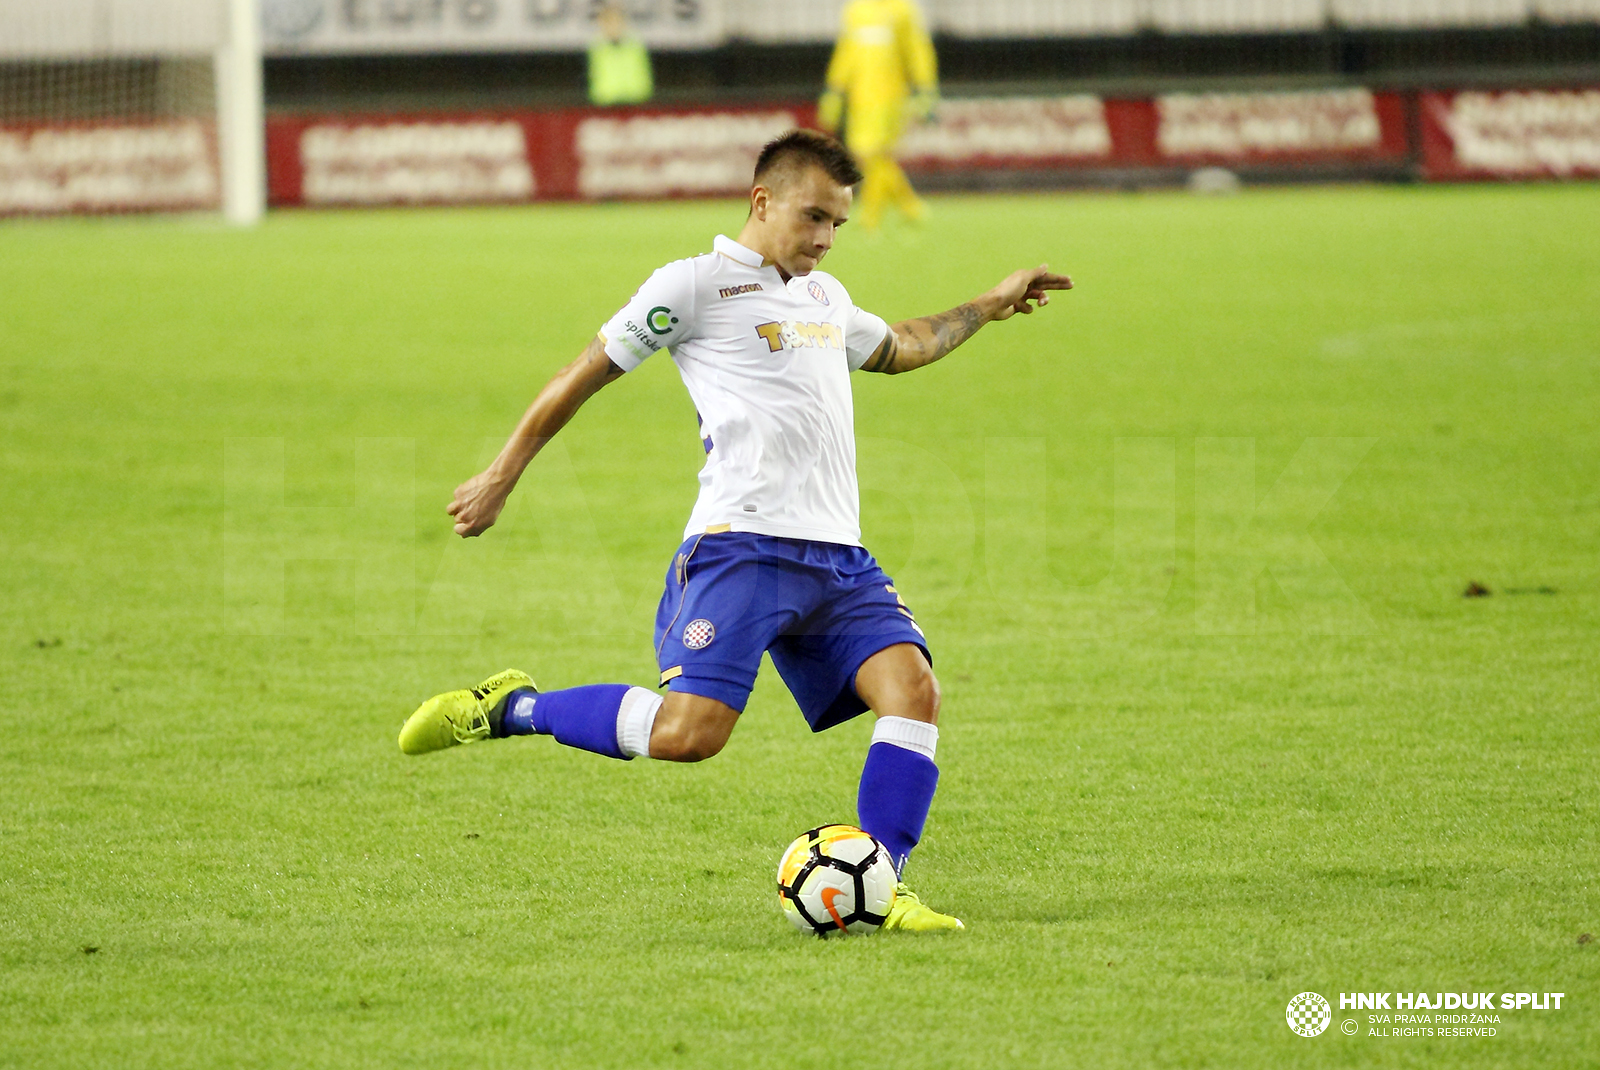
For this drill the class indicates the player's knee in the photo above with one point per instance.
(918, 696)
(691, 732)
(686, 743)
(899, 682)
(924, 697)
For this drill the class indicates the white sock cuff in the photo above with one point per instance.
(918, 736)
(635, 718)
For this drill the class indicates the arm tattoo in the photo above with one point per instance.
(952, 328)
(883, 359)
(926, 339)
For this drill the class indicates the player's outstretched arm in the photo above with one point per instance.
(477, 502)
(913, 343)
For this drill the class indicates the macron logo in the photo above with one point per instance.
(735, 291)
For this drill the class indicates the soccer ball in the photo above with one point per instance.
(836, 879)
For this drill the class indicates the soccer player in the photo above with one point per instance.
(772, 559)
(883, 68)
(619, 64)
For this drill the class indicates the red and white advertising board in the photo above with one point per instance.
(399, 160)
(415, 162)
(559, 154)
(1010, 133)
(1293, 127)
(649, 152)
(108, 167)
(1538, 133)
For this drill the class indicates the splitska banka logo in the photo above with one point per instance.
(796, 335)
(660, 319)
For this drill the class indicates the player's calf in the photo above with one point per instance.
(897, 681)
(691, 728)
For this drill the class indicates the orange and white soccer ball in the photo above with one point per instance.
(836, 880)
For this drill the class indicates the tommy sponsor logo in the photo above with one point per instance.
(796, 335)
(735, 291)
(814, 288)
(698, 633)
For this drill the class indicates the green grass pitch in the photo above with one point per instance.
(1189, 545)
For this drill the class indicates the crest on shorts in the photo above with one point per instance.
(814, 288)
(698, 633)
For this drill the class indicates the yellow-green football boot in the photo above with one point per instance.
(911, 915)
(464, 716)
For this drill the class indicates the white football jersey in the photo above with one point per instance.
(768, 366)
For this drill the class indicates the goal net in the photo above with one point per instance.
(130, 105)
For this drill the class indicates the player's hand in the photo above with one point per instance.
(1023, 290)
(477, 503)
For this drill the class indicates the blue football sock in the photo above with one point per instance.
(517, 717)
(583, 717)
(897, 786)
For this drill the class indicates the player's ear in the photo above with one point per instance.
(760, 197)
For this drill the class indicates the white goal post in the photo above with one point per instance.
(131, 105)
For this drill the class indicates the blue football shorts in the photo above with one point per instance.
(821, 610)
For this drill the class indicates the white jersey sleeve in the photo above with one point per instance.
(659, 315)
(864, 333)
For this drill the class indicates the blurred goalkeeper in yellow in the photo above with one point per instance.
(883, 70)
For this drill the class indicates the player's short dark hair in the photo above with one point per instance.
(802, 147)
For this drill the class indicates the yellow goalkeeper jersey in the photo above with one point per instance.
(883, 54)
